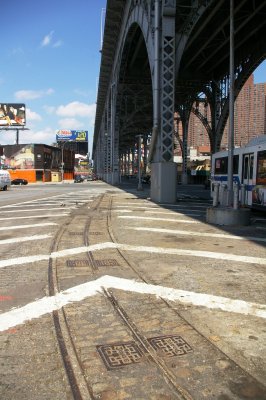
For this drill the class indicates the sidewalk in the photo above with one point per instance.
(189, 296)
(157, 305)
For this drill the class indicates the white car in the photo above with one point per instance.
(5, 180)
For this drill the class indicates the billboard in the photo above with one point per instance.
(12, 114)
(69, 135)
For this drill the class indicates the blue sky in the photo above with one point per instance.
(50, 61)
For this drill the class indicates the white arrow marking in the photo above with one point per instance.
(48, 304)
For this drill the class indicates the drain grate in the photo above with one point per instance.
(95, 233)
(118, 355)
(75, 233)
(170, 345)
(121, 354)
(106, 263)
(78, 263)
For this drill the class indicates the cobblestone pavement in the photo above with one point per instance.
(151, 301)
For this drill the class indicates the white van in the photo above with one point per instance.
(5, 180)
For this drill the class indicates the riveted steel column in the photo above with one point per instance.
(128, 162)
(145, 153)
(115, 137)
(168, 79)
(185, 122)
(108, 134)
(133, 159)
(163, 169)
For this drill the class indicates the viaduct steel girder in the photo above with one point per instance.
(201, 60)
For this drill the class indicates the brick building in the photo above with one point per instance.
(37, 162)
(250, 113)
(249, 118)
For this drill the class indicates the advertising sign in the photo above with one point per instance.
(73, 136)
(84, 163)
(12, 114)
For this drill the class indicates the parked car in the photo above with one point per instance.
(19, 181)
(4, 180)
(78, 179)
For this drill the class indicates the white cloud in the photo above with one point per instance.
(32, 94)
(59, 43)
(49, 109)
(77, 109)
(70, 123)
(47, 39)
(18, 51)
(7, 137)
(32, 115)
(46, 135)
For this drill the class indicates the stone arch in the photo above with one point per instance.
(137, 37)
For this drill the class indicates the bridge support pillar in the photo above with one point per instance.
(115, 178)
(164, 182)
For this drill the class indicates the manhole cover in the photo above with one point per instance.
(106, 263)
(78, 263)
(119, 354)
(170, 345)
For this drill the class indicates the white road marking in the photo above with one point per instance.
(153, 205)
(42, 199)
(35, 216)
(190, 233)
(30, 205)
(9, 228)
(31, 201)
(122, 211)
(24, 239)
(140, 207)
(128, 247)
(37, 209)
(187, 221)
(139, 203)
(46, 305)
(173, 213)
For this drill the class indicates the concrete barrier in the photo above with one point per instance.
(228, 216)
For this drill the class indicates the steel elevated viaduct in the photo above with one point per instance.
(158, 58)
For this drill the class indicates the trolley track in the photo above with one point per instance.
(80, 387)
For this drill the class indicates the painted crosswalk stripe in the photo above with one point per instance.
(37, 209)
(155, 209)
(133, 248)
(35, 216)
(187, 221)
(47, 304)
(152, 205)
(138, 207)
(9, 228)
(202, 234)
(50, 198)
(28, 205)
(24, 239)
(173, 213)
